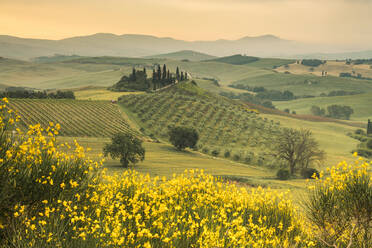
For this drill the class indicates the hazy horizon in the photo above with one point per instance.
(338, 22)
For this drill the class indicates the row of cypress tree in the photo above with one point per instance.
(162, 77)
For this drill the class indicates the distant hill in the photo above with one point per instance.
(184, 55)
(236, 59)
(347, 55)
(55, 58)
(131, 45)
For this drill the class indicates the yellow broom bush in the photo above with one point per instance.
(54, 196)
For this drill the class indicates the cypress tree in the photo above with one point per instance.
(182, 76)
(178, 73)
(159, 73)
(133, 74)
(164, 72)
(153, 75)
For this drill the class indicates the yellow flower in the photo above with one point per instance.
(62, 185)
(73, 184)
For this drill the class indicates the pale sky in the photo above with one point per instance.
(321, 21)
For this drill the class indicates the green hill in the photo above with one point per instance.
(236, 59)
(226, 128)
(184, 55)
(77, 118)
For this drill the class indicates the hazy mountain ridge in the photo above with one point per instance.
(143, 45)
(133, 45)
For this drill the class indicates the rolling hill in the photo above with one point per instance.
(226, 128)
(184, 55)
(77, 118)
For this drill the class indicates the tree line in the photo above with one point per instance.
(263, 93)
(38, 94)
(334, 111)
(312, 62)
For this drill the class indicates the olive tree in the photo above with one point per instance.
(127, 147)
(182, 137)
(298, 148)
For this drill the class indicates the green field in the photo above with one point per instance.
(99, 93)
(361, 104)
(306, 84)
(162, 159)
(333, 68)
(77, 118)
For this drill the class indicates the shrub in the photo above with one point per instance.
(283, 174)
(309, 173)
(205, 149)
(248, 158)
(227, 154)
(36, 177)
(360, 132)
(215, 152)
(339, 206)
(236, 157)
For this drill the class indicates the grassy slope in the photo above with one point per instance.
(163, 160)
(59, 75)
(98, 93)
(331, 137)
(306, 84)
(270, 63)
(361, 105)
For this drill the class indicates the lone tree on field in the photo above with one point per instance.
(127, 147)
(182, 137)
(298, 148)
